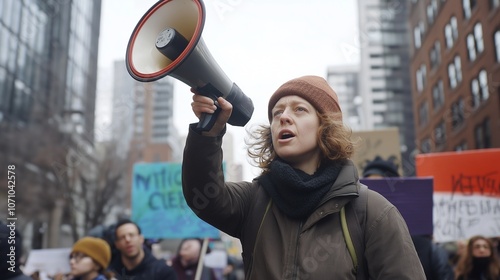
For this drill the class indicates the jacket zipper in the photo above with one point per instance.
(296, 257)
(299, 229)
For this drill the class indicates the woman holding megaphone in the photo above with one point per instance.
(291, 219)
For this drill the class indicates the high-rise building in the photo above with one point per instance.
(48, 66)
(154, 137)
(455, 69)
(344, 80)
(384, 74)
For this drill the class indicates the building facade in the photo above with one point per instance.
(345, 81)
(455, 68)
(48, 66)
(384, 72)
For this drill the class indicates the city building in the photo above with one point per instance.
(344, 80)
(48, 66)
(455, 68)
(154, 137)
(384, 81)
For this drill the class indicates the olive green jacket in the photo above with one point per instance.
(286, 248)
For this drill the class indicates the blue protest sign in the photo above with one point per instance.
(158, 204)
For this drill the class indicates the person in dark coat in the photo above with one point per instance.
(307, 178)
(480, 261)
(434, 258)
(185, 262)
(135, 261)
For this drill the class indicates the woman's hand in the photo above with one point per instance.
(203, 104)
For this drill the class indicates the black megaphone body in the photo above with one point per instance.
(167, 41)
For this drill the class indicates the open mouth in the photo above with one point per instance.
(286, 135)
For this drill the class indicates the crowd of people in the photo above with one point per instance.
(291, 220)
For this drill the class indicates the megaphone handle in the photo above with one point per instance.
(207, 121)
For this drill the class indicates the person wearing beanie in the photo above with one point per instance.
(288, 218)
(380, 168)
(89, 259)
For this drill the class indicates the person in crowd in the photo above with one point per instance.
(185, 262)
(134, 260)
(306, 180)
(11, 249)
(232, 269)
(480, 261)
(89, 259)
(433, 257)
(380, 168)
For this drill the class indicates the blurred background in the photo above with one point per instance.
(73, 122)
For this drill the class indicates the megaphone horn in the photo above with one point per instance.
(167, 41)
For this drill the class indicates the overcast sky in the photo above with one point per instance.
(259, 44)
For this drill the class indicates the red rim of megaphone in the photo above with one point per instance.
(165, 71)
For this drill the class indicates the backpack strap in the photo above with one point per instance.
(261, 205)
(354, 232)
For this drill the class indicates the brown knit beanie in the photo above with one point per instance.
(314, 89)
(96, 248)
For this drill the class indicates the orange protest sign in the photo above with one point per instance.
(466, 192)
(475, 172)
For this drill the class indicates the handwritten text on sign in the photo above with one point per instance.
(158, 204)
(466, 192)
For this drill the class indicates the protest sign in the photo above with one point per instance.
(158, 204)
(466, 192)
(372, 143)
(48, 261)
(411, 196)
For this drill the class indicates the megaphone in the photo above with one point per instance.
(167, 41)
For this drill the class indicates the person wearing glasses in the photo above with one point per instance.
(89, 259)
(135, 261)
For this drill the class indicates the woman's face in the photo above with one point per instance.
(190, 251)
(82, 264)
(481, 248)
(294, 130)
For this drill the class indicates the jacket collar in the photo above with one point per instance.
(343, 190)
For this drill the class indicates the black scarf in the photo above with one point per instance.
(295, 192)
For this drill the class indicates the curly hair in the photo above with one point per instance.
(464, 265)
(334, 141)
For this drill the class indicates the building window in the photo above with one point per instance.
(455, 72)
(437, 96)
(432, 10)
(483, 83)
(461, 147)
(479, 89)
(417, 36)
(426, 146)
(497, 43)
(435, 54)
(421, 76)
(440, 134)
(471, 47)
(468, 6)
(475, 99)
(451, 32)
(482, 135)
(475, 44)
(457, 114)
(423, 115)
